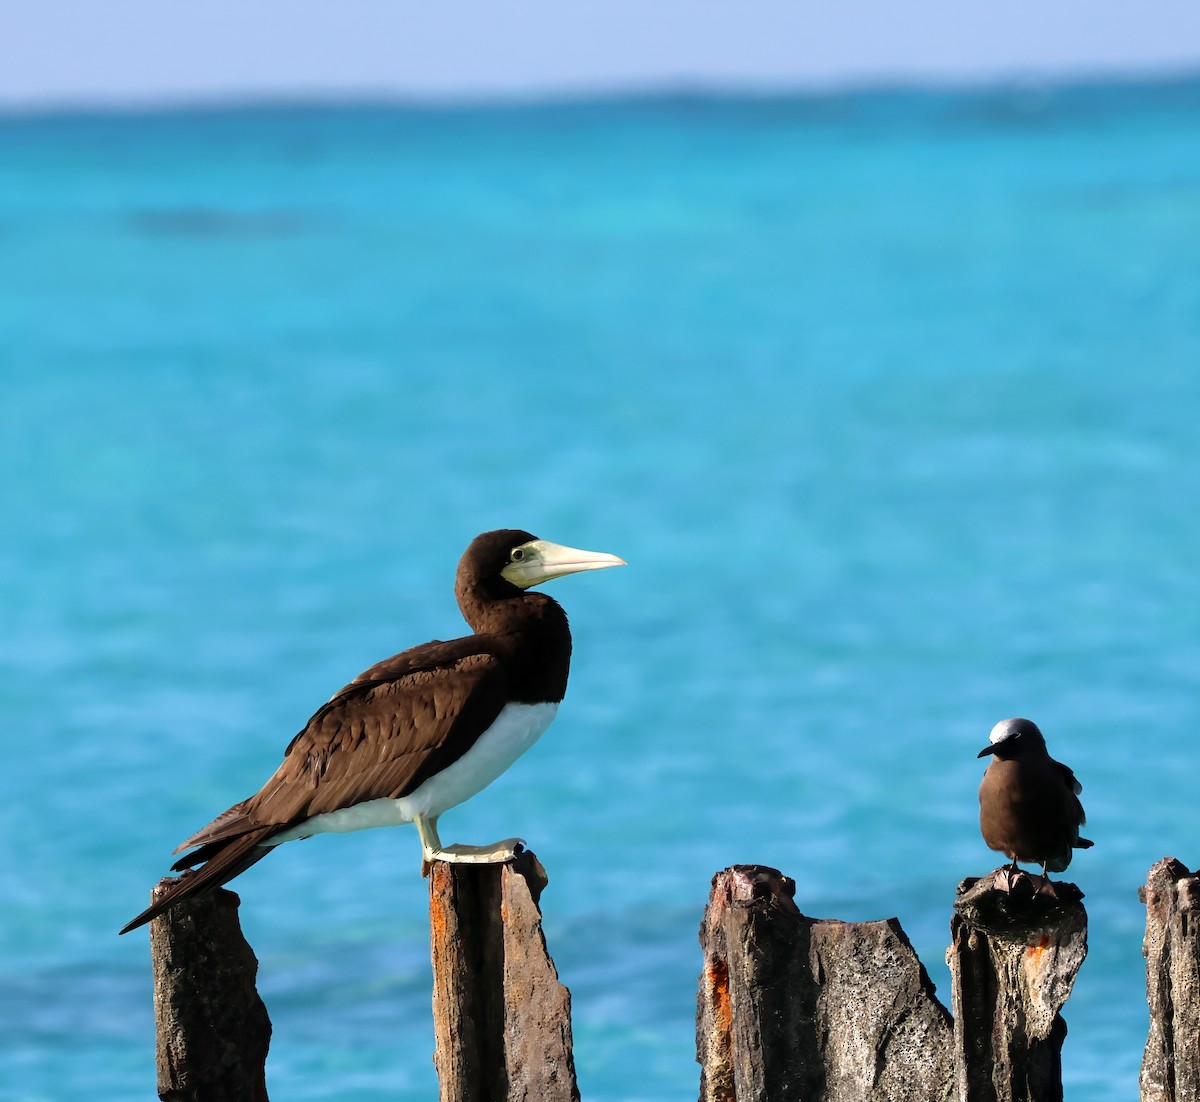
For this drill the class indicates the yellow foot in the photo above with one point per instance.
(498, 853)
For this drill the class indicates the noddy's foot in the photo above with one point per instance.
(498, 853)
(1009, 880)
(1046, 888)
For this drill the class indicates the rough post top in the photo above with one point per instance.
(757, 885)
(1170, 875)
(525, 864)
(1016, 907)
(164, 886)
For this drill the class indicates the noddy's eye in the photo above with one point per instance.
(518, 553)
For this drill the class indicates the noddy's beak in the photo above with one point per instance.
(992, 747)
(542, 561)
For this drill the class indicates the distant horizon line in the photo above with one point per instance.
(229, 101)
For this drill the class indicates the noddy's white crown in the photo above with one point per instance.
(1000, 732)
(1012, 728)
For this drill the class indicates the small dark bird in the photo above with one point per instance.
(416, 733)
(1029, 805)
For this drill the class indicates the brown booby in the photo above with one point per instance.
(1029, 805)
(419, 732)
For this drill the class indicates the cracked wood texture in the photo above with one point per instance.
(212, 1028)
(1016, 948)
(502, 1020)
(796, 1008)
(1171, 1061)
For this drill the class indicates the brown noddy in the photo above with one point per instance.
(1029, 805)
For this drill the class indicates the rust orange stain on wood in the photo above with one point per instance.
(437, 908)
(716, 980)
(1035, 953)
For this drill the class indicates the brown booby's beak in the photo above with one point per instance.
(542, 561)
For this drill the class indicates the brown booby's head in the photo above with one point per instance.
(1014, 738)
(508, 561)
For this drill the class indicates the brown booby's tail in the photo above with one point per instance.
(223, 861)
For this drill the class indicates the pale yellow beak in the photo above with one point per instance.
(542, 561)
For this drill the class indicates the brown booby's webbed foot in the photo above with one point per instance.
(498, 853)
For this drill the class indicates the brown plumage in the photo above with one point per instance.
(1029, 805)
(406, 719)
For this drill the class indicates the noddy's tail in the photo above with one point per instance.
(231, 859)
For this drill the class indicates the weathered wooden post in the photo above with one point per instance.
(212, 1028)
(810, 1010)
(502, 1020)
(1171, 1061)
(1013, 959)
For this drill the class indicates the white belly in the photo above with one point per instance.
(515, 730)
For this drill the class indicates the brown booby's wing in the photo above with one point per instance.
(376, 738)
(382, 739)
(395, 714)
(426, 656)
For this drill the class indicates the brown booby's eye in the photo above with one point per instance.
(517, 555)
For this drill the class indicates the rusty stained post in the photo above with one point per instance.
(211, 1026)
(1013, 959)
(1171, 1061)
(502, 1019)
(796, 1009)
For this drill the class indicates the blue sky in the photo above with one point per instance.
(165, 50)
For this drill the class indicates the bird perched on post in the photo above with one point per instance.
(1029, 805)
(419, 732)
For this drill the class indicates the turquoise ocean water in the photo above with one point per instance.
(889, 399)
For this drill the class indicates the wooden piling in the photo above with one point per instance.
(502, 1019)
(789, 1007)
(810, 1010)
(1171, 1060)
(1015, 952)
(212, 1028)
